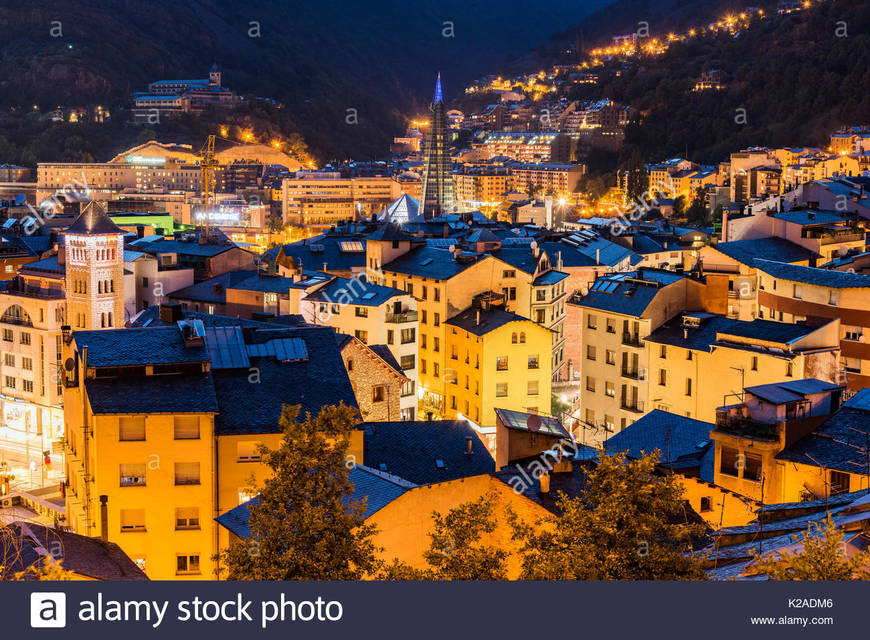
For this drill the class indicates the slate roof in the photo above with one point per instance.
(94, 221)
(792, 390)
(746, 251)
(683, 442)
(376, 488)
(702, 337)
(593, 248)
(137, 347)
(811, 275)
(809, 217)
(609, 292)
(838, 443)
(214, 290)
(313, 253)
(411, 450)
(549, 278)
(431, 262)
(50, 265)
(384, 353)
(181, 247)
(490, 320)
(193, 393)
(25, 544)
(519, 477)
(357, 292)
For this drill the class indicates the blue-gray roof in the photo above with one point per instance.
(791, 390)
(431, 262)
(412, 450)
(521, 421)
(193, 393)
(811, 275)
(356, 292)
(375, 488)
(181, 247)
(549, 278)
(702, 337)
(683, 442)
(480, 321)
(137, 347)
(213, 290)
(622, 293)
(810, 216)
(746, 251)
(339, 252)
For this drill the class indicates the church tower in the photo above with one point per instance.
(94, 258)
(436, 194)
(214, 75)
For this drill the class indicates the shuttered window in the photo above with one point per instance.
(131, 428)
(186, 473)
(186, 427)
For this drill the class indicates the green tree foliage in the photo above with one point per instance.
(306, 525)
(638, 178)
(457, 550)
(822, 557)
(630, 524)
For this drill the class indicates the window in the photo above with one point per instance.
(9, 382)
(590, 352)
(437, 321)
(789, 369)
(609, 389)
(689, 354)
(27, 386)
(379, 393)
(424, 295)
(132, 475)
(752, 467)
(436, 369)
(755, 363)
(706, 504)
(611, 326)
(522, 337)
(362, 336)
(540, 316)
(131, 428)
(533, 362)
(797, 292)
(25, 338)
(730, 462)
(610, 356)
(186, 473)
(9, 359)
(514, 337)
(533, 387)
(423, 316)
(436, 344)
(853, 333)
(186, 427)
(362, 312)
(663, 377)
(501, 363)
(26, 364)
(688, 386)
(501, 389)
(132, 520)
(591, 321)
(540, 295)
(187, 518)
(8, 336)
(409, 335)
(509, 273)
(590, 383)
(422, 366)
(248, 451)
(590, 417)
(350, 364)
(663, 351)
(408, 388)
(609, 423)
(407, 362)
(437, 294)
(834, 298)
(839, 482)
(187, 564)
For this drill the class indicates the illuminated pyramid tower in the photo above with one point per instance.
(437, 192)
(94, 256)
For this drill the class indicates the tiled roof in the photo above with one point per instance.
(490, 320)
(811, 275)
(376, 488)
(326, 249)
(717, 329)
(839, 443)
(136, 347)
(613, 293)
(809, 216)
(215, 289)
(356, 292)
(181, 247)
(782, 392)
(153, 394)
(431, 262)
(746, 251)
(681, 441)
(384, 353)
(412, 450)
(94, 221)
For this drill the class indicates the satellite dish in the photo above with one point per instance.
(451, 248)
(534, 244)
(533, 422)
(70, 364)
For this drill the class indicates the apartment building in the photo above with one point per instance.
(323, 198)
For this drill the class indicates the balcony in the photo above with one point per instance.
(631, 340)
(829, 236)
(401, 318)
(635, 407)
(633, 374)
(734, 420)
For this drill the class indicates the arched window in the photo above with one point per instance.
(514, 337)
(16, 315)
(522, 337)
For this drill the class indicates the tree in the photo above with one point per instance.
(822, 557)
(304, 523)
(629, 524)
(455, 551)
(638, 178)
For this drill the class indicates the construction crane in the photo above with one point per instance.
(207, 166)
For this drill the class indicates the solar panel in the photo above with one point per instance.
(368, 296)
(283, 349)
(351, 246)
(226, 348)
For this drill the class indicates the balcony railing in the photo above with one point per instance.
(631, 340)
(634, 374)
(399, 318)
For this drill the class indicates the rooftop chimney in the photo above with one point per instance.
(545, 483)
(170, 312)
(468, 444)
(104, 518)
(478, 317)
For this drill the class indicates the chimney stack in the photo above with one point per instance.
(104, 518)
(478, 317)
(468, 444)
(545, 483)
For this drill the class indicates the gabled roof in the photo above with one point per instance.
(432, 262)
(480, 322)
(412, 450)
(809, 217)
(356, 292)
(792, 390)
(682, 442)
(137, 347)
(93, 221)
(714, 330)
(621, 293)
(522, 421)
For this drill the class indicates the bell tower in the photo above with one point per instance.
(94, 257)
(214, 75)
